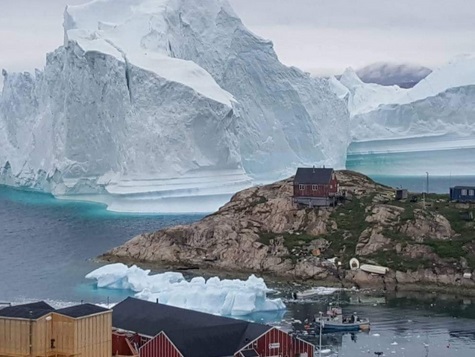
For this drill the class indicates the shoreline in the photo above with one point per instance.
(210, 271)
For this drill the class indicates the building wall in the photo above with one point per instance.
(279, 343)
(88, 336)
(159, 346)
(14, 337)
(121, 347)
(93, 335)
(308, 190)
(463, 195)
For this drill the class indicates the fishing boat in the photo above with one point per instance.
(334, 320)
(342, 323)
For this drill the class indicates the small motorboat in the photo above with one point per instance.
(314, 292)
(345, 324)
(334, 320)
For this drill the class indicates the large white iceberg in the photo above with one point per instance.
(153, 103)
(224, 297)
(430, 127)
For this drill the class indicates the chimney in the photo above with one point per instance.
(313, 169)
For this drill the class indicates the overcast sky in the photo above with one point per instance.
(319, 36)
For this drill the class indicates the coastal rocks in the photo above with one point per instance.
(433, 277)
(261, 231)
(384, 214)
(371, 241)
(417, 251)
(428, 225)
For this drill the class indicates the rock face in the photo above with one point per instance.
(261, 230)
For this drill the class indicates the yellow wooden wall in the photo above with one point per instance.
(14, 337)
(94, 335)
(90, 336)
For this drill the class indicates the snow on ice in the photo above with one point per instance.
(161, 106)
(429, 127)
(223, 297)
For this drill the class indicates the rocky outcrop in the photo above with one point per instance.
(261, 230)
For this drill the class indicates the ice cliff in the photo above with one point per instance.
(430, 127)
(163, 105)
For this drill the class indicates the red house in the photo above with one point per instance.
(315, 187)
(167, 331)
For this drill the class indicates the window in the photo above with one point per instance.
(314, 187)
(464, 192)
(301, 187)
(471, 192)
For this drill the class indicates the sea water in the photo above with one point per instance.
(48, 246)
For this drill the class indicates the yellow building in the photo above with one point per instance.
(37, 329)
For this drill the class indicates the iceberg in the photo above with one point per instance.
(161, 106)
(429, 127)
(223, 297)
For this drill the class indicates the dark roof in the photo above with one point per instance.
(464, 187)
(27, 311)
(250, 353)
(313, 176)
(81, 310)
(195, 334)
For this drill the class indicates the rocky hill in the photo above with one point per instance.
(424, 243)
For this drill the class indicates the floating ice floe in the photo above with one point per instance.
(224, 297)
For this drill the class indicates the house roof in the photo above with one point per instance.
(195, 334)
(27, 311)
(81, 310)
(250, 353)
(313, 176)
(464, 187)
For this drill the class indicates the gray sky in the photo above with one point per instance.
(319, 36)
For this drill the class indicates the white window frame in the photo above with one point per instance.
(301, 187)
(314, 187)
(471, 192)
(463, 192)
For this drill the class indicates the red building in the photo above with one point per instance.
(167, 331)
(315, 187)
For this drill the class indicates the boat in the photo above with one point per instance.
(314, 292)
(341, 323)
(374, 269)
(334, 321)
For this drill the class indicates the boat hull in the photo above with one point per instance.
(346, 327)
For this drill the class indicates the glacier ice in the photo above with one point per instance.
(223, 297)
(150, 103)
(430, 127)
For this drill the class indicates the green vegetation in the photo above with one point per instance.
(291, 240)
(396, 261)
(350, 220)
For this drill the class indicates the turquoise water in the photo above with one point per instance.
(47, 246)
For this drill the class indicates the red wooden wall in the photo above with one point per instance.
(279, 343)
(321, 190)
(120, 346)
(159, 346)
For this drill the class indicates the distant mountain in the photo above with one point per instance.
(387, 74)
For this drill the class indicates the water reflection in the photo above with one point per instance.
(403, 324)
